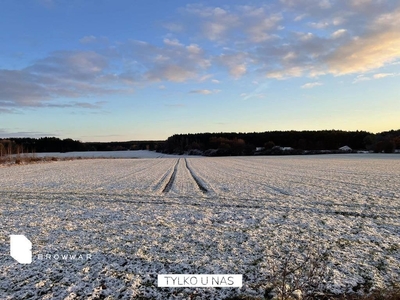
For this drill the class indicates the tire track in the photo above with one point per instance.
(160, 182)
(171, 179)
(199, 184)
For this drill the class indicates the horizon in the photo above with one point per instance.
(199, 133)
(115, 71)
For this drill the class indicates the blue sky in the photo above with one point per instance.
(113, 70)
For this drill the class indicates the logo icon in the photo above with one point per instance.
(21, 249)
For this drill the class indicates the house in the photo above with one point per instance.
(345, 149)
(286, 148)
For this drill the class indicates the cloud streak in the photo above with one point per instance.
(204, 92)
(310, 85)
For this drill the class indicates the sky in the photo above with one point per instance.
(119, 70)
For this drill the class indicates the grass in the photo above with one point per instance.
(384, 294)
(31, 159)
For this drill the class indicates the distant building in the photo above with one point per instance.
(279, 148)
(286, 148)
(345, 149)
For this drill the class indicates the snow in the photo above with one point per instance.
(255, 212)
(110, 154)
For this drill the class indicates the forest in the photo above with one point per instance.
(222, 144)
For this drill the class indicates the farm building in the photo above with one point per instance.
(345, 149)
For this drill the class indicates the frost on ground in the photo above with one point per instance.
(243, 215)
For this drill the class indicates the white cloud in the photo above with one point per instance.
(261, 30)
(173, 62)
(205, 77)
(299, 17)
(338, 33)
(171, 72)
(325, 4)
(194, 49)
(204, 92)
(173, 43)
(319, 25)
(286, 73)
(91, 39)
(356, 36)
(383, 75)
(236, 63)
(365, 53)
(253, 23)
(361, 78)
(310, 85)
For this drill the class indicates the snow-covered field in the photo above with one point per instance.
(107, 154)
(137, 218)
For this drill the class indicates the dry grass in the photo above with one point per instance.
(387, 294)
(31, 159)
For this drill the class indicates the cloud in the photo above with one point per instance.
(338, 33)
(204, 92)
(175, 105)
(170, 72)
(261, 26)
(366, 40)
(365, 53)
(7, 111)
(172, 62)
(319, 25)
(88, 105)
(173, 43)
(383, 75)
(252, 23)
(70, 65)
(329, 37)
(377, 46)
(175, 27)
(70, 74)
(205, 77)
(32, 134)
(91, 39)
(310, 85)
(361, 78)
(236, 63)
(77, 74)
(215, 21)
(286, 73)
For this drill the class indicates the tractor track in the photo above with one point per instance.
(199, 184)
(171, 179)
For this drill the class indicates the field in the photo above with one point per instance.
(339, 214)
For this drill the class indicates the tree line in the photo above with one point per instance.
(11, 146)
(299, 141)
(232, 143)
